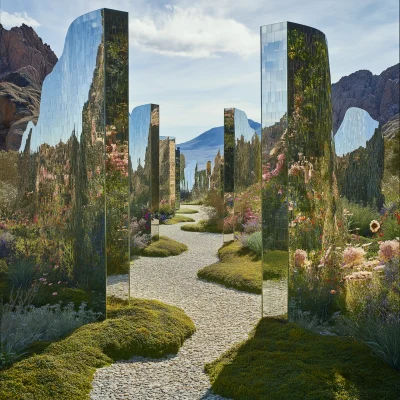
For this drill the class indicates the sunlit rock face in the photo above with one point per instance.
(24, 63)
(377, 94)
(356, 129)
(71, 176)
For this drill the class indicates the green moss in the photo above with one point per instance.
(198, 202)
(275, 264)
(238, 268)
(164, 247)
(186, 211)
(64, 369)
(281, 361)
(178, 219)
(201, 226)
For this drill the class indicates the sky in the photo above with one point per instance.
(195, 58)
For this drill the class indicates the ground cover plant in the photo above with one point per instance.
(177, 219)
(64, 369)
(186, 211)
(163, 246)
(22, 324)
(238, 268)
(282, 361)
(202, 226)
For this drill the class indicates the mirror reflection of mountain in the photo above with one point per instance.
(24, 63)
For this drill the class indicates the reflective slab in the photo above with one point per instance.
(68, 221)
(144, 175)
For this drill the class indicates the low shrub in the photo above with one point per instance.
(382, 338)
(282, 361)
(64, 370)
(21, 272)
(359, 217)
(22, 324)
(163, 246)
(254, 242)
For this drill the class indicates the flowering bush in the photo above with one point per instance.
(389, 250)
(353, 255)
(300, 258)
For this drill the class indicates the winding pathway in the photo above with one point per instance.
(222, 316)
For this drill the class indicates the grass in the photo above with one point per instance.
(186, 211)
(238, 268)
(178, 219)
(281, 361)
(64, 369)
(163, 247)
(201, 226)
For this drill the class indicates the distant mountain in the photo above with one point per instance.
(214, 137)
(24, 63)
(376, 94)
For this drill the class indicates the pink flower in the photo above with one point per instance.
(300, 258)
(353, 255)
(388, 250)
(54, 293)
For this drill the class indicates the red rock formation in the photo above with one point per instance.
(377, 94)
(24, 63)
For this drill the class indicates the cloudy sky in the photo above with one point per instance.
(196, 57)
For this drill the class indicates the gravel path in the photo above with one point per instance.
(222, 316)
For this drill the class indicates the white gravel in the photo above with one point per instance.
(222, 317)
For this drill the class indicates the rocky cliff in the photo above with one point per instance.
(377, 94)
(24, 63)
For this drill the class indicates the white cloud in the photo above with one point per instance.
(17, 19)
(190, 32)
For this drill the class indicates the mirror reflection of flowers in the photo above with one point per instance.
(374, 226)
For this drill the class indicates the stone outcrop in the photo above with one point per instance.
(24, 63)
(377, 94)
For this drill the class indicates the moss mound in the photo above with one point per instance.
(164, 247)
(281, 361)
(238, 268)
(276, 265)
(201, 226)
(178, 219)
(64, 369)
(186, 211)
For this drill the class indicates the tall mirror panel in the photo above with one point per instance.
(64, 208)
(144, 175)
(275, 205)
